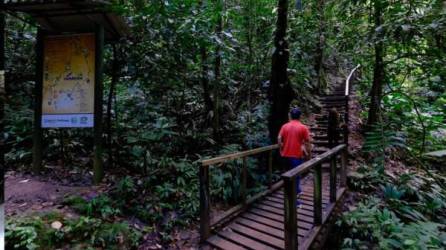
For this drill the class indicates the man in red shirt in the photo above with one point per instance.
(292, 136)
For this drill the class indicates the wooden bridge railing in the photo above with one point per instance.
(205, 223)
(289, 179)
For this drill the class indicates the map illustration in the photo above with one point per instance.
(68, 81)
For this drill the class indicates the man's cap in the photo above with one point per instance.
(295, 112)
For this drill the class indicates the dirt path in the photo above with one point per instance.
(26, 194)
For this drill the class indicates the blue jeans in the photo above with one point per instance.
(294, 163)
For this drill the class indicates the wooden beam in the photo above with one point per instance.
(37, 129)
(233, 156)
(2, 40)
(311, 163)
(243, 183)
(317, 197)
(205, 228)
(290, 216)
(270, 169)
(234, 211)
(98, 169)
(344, 168)
(333, 179)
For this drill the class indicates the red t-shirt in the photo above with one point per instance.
(293, 134)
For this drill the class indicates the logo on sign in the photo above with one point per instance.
(84, 120)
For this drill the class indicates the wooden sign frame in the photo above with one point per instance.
(98, 79)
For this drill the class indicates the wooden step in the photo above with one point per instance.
(325, 137)
(333, 105)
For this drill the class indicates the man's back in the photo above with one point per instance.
(293, 134)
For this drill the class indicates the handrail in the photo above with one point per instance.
(347, 81)
(205, 221)
(233, 156)
(304, 167)
(347, 107)
(289, 185)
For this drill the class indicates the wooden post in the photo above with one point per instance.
(270, 169)
(317, 194)
(98, 141)
(205, 229)
(2, 41)
(2, 102)
(37, 129)
(244, 176)
(290, 213)
(333, 179)
(344, 167)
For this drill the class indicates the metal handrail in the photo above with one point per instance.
(347, 82)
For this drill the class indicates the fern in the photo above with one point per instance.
(379, 139)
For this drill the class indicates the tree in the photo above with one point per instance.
(280, 91)
(378, 68)
(320, 46)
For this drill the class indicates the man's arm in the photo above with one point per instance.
(280, 142)
(308, 148)
(308, 144)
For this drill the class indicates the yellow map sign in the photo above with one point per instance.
(68, 81)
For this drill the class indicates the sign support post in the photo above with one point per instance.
(37, 131)
(2, 102)
(98, 170)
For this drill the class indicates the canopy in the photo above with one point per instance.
(74, 16)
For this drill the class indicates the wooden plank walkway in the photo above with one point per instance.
(271, 219)
(261, 226)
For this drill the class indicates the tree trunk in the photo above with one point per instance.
(2, 41)
(217, 74)
(320, 47)
(205, 80)
(4, 88)
(111, 93)
(250, 77)
(378, 70)
(2, 101)
(280, 91)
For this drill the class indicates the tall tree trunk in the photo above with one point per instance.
(2, 52)
(250, 77)
(280, 91)
(2, 101)
(378, 70)
(111, 93)
(217, 74)
(320, 47)
(208, 104)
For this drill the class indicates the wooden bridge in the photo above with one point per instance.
(271, 219)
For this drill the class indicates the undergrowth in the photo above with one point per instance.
(37, 232)
(402, 209)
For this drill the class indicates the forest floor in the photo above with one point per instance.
(26, 193)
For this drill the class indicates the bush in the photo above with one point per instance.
(36, 232)
(372, 224)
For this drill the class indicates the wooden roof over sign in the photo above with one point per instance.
(65, 16)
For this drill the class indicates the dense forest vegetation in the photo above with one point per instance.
(201, 78)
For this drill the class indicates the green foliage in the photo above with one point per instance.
(17, 135)
(372, 224)
(100, 206)
(80, 233)
(160, 125)
(379, 140)
(367, 178)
